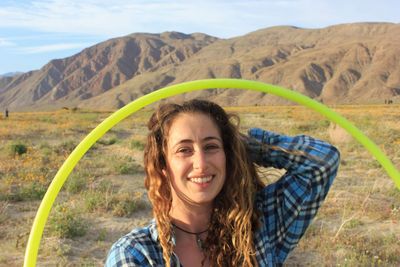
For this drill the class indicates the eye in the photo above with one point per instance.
(211, 147)
(184, 150)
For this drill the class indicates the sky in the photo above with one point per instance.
(33, 32)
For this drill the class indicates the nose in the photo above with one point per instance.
(199, 160)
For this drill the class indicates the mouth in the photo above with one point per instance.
(201, 180)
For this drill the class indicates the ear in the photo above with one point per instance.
(165, 173)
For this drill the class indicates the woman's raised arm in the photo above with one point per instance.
(290, 204)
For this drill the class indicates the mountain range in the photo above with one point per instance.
(356, 63)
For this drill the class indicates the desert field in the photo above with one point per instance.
(104, 197)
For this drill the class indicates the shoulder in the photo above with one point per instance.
(137, 247)
(136, 236)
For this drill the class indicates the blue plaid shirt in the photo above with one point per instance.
(288, 205)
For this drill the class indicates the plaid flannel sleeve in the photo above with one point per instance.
(290, 204)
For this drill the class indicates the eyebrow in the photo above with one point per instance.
(208, 138)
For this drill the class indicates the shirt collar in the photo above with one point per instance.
(154, 232)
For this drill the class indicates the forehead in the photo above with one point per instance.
(190, 125)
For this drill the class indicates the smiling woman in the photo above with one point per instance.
(210, 207)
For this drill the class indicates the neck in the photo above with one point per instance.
(193, 218)
(194, 221)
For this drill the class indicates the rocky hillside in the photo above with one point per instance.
(349, 63)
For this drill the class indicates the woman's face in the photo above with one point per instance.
(196, 162)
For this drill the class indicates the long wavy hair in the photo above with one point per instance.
(230, 237)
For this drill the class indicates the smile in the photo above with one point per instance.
(201, 180)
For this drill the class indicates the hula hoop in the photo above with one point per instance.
(69, 164)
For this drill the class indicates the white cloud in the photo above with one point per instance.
(122, 17)
(221, 18)
(51, 48)
(5, 42)
(91, 17)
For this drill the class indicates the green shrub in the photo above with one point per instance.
(128, 168)
(125, 204)
(46, 149)
(353, 223)
(121, 204)
(108, 141)
(104, 186)
(67, 223)
(102, 235)
(34, 191)
(48, 119)
(125, 208)
(66, 147)
(29, 191)
(4, 216)
(95, 201)
(312, 126)
(76, 183)
(137, 145)
(18, 148)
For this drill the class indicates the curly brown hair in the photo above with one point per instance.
(230, 237)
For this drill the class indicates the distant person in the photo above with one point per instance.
(6, 113)
(209, 204)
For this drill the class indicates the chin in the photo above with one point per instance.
(204, 201)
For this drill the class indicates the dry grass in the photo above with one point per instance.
(358, 225)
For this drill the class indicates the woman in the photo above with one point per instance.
(209, 204)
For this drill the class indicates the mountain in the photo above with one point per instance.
(10, 74)
(6, 78)
(349, 63)
(98, 69)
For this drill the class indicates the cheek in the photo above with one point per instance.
(177, 168)
(222, 162)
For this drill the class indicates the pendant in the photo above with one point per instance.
(199, 242)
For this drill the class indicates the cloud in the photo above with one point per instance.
(51, 48)
(90, 17)
(101, 18)
(5, 42)
(221, 18)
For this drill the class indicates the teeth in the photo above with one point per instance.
(201, 180)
